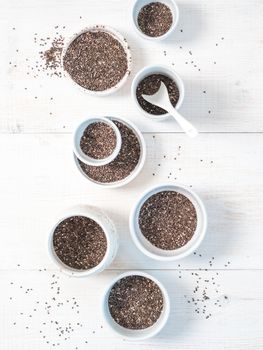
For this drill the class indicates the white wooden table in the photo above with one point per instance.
(224, 165)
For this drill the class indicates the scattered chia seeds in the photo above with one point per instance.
(52, 56)
(79, 242)
(123, 165)
(168, 220)
(98, 140)
(135, 302)
(150, 85)
(155, 19)
(96, 60)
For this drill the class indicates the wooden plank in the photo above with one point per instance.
(223, 39)
(39, 180)
(235, 321)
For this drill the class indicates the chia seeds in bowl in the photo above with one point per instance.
(150, 85)
(155, 19)
(98, 140)
(79, 242)
(83, 242)
(98, 60)
(168, 222)
(128, 163)
(136, 305)
(135, 302)
(147, 82)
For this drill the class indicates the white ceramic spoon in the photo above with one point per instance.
(162, 100)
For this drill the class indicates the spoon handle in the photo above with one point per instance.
(187, 127)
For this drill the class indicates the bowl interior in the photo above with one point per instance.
(79, 133)
(141, 333)
(136, 170)
(180, 252)
(124, 44)
(147, 71)
(139, 4)
(69, 270)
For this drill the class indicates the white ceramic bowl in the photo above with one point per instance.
(132, 334)
(137, 169)
(139, 4)
(79, 133)
(168, 255)
(121, 40)
(110, 233)
(157, 69)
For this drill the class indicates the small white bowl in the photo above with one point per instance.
(157, 69)
(141, 334)
(139, 4)
(109, 230)
(147, 247)
(79, 133)
(122, 41)
(137, 169)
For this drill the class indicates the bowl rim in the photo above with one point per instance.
(136, 170)
(79, 131)
(152, 331)
(175, 13)
(118, 36)
(187, 250)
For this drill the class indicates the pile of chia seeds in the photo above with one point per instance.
(79, 242)
(123, 165)
(135, 302)
(98, 140)
(168, 220)
(155, 19)
(96, 60)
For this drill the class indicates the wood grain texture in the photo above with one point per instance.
(230, 73)
(235, 322)
(38, 178)
(41, 180)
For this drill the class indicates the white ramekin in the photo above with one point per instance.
(121, 40)
(79, 133)
(168, 255)
(110, 232)
(139, 4)
(157, 69)
(131, 334)
(137, 169)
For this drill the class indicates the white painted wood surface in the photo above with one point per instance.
(224, 165)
